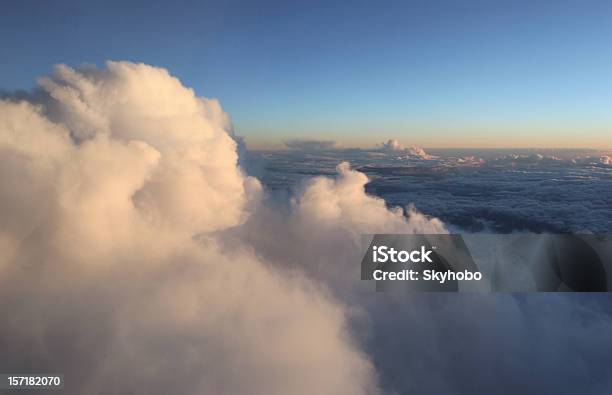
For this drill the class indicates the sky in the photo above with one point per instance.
(430, 73)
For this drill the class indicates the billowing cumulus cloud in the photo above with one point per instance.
(125, 264)
(320, 229)
(135, 102)
(343, 202)
(396, 148)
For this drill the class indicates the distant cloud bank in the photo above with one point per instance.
(310, 145)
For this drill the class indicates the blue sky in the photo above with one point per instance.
(432, 73)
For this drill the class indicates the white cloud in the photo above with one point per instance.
(394, 147)
(113, 270)
(320, 232)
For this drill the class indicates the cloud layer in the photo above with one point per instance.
(567, 191)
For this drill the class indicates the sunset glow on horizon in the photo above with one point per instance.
(437, 74)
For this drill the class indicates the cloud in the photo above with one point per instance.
(319, 230)
(566, 195)
(343, 202)
(542, 160)
(116, 186)
(394, 147)
(311, 145)
(484, 344)
(434, 343)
